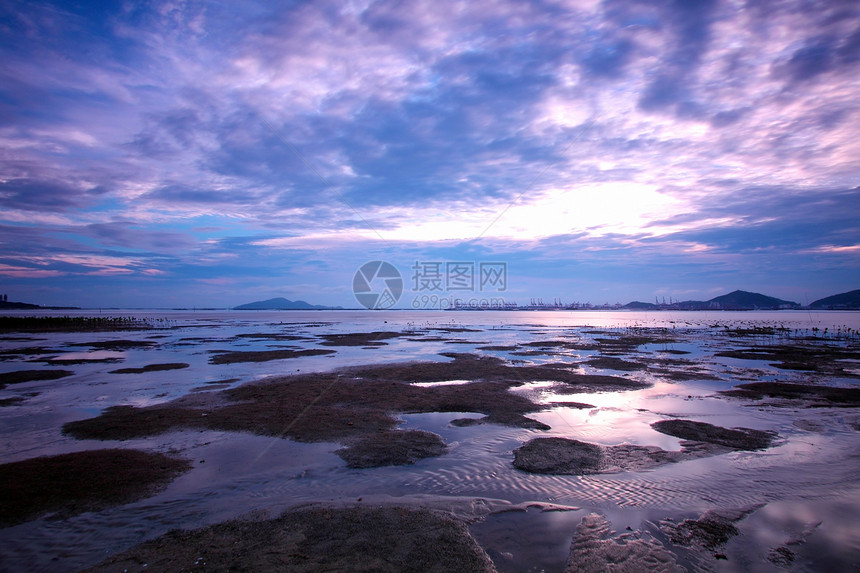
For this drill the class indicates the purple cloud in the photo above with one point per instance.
(279, 131)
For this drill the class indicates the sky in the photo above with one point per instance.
(193, 154)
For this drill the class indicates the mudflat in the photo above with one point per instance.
(633, 417)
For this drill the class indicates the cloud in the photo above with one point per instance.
(609, 131)
(27, 272)
(128, 235)
(686, 28)
(783, 220)
(44, 195)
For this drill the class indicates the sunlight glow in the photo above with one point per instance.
(596, 209)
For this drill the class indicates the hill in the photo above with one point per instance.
(737, 300)
(743, 300)
(845, 301)
(4, 304)
(281, 303)
(638, 305)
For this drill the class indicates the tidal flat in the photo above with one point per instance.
(450, 441)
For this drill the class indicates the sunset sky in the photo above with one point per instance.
(211, 154)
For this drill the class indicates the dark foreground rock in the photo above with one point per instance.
(394, 448)
(814, 396)
(334, 406)
(21, 376)
(689, 545)
(265, 355)
(352, 405)
(511, 419)
(70, 484)
(816, 355)
(316, 539)
(117, 344)
(489, 368)
(151, 368)
(784, 555)
(563, 456)
(359, 338)
(558, 456)
(710, 531)
(735, 438)
(595, 550)
(614, 363)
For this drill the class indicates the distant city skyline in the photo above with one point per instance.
(210, 154)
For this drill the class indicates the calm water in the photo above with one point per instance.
(809, 477)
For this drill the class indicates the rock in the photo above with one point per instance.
(320, 538)
(558, 456)
(563, 456)
(710, 531)
(735, 438)
(593, 550)
(392, 448)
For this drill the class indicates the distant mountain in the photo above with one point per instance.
(743, 300)
(636, 305)
(695, 305)
(281, 303)
(737, 300)
(845, 301)
(4, 304)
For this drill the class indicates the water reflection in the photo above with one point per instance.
(809, 476)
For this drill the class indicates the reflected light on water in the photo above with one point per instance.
(810, 475)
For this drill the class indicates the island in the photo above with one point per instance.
(281, 303)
